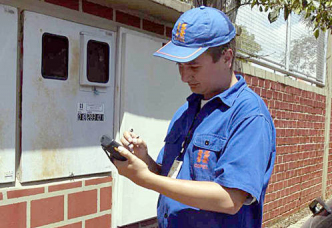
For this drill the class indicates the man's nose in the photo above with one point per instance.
(186, 73)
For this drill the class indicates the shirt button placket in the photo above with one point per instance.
(165, 219)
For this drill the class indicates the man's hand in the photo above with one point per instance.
(134, 168)
(133, 142)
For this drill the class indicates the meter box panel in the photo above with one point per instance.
(151, 92)
(62, 118)
(8, 66)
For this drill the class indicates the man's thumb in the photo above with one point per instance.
(125, 153)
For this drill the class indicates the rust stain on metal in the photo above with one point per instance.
(53, 130)
(71, 87)
(50, 140)
(52, 119)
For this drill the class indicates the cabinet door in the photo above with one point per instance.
(8, 66)
(151, 92)
(67, 98)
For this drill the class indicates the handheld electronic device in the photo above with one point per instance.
(110, 146)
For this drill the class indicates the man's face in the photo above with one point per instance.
(206, 77)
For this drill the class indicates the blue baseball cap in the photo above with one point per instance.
(194, 32)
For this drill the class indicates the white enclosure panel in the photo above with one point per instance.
(55, 143)
(8, 66)
(151, 91)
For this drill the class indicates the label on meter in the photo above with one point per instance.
(90, 112)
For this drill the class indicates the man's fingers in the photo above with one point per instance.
(135, 140)
(131, 134)
(126, 153)
(140, 142)
(125, 142)
(127, 136)
(130, 139)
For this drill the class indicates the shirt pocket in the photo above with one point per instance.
(207, 149)
(172, 149)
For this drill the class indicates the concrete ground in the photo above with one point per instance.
(295, 220)
(300, 222)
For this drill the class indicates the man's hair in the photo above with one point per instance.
(217, 52)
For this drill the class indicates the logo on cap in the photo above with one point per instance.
(181, 30)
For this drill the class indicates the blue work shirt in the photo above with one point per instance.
(231, 140)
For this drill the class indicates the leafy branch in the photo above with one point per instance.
(318, 12)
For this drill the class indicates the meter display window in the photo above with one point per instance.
(55, 56)
(98, 57)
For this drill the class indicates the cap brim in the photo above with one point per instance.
(179, 53)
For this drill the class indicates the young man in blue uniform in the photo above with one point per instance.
(220, 148)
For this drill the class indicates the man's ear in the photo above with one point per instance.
(228, 57)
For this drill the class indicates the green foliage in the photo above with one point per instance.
(319, 12)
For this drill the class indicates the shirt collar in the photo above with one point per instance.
(228, 96)
(195, 98)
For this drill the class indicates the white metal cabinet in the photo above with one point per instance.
(151, 91)
(56, 143)
(8, 66)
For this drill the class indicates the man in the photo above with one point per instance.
(220, 148)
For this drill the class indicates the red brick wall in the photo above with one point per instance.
(122, 17)
(329, 173)
(13, 215)
(71, 4)
(299, 118)
(69, 205)
(97, 10)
